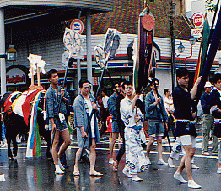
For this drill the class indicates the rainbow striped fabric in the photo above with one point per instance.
(34, 140)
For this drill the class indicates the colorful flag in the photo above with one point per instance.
(216, 37)
(144, 54)
(206, 34)
(34, 140)
(22, 104)
(203, 49)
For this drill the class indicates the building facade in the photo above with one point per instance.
(40, 31)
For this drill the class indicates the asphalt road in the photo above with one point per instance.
(38, 173)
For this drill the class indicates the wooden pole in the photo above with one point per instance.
(38, 76)
(32, 77)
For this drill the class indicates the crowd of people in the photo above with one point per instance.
(123, 115)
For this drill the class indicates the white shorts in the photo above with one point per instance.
(188, 140)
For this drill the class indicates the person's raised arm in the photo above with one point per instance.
(194, 89)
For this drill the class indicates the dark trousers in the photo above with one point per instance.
(123, 148)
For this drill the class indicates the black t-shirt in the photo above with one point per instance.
(183, 105)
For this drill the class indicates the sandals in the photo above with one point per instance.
(76, 173)
(96, 174)
(115, 166)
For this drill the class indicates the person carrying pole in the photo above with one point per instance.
(56, 114)
(87, 129)
(185, 128)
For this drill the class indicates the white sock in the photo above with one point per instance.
(59, 162)
(58, 169)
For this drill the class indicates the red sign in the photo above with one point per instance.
(198, 19)
(77, 25)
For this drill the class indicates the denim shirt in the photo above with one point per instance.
(52, 102)
(112, 103)
(152, 111)
(81, 116)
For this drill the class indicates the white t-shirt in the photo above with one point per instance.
(104, 100)
(168, 104)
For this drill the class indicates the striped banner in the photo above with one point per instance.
(34, 140)
(216, 37)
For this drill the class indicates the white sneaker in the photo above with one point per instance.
(126, 172)
(60, 165)
(135, 178)
(193, 184)
(170, 163)
(148, 161)
(180, 178)
(161, 162)
(59, 172)
(219, 171)
(193, 166)
(111, 161)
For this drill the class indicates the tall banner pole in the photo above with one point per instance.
(216, 37)
(102, 55)
(146, 24)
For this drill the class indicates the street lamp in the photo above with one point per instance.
(192, 42)
(11, 53)
(181, 48)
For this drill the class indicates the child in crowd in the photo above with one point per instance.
(109, 125)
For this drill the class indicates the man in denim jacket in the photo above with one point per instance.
(83, 106)
(157, 116)
(56, 118)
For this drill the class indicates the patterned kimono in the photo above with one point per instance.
(135, 157)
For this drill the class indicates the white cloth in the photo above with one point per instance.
(127, 115)
(104, 100)
(89, 104)
(168, 104)
(135, 157)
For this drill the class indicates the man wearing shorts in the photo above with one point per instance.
(56, 118)
(112, 106)
(185, 129)
(83, 106)
(157, 116)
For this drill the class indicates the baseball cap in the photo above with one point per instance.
(208, 85)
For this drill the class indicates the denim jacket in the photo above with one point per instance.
(52, 102)
(81, 117)
(152, 111)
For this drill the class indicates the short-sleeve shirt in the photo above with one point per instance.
(183, 104)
